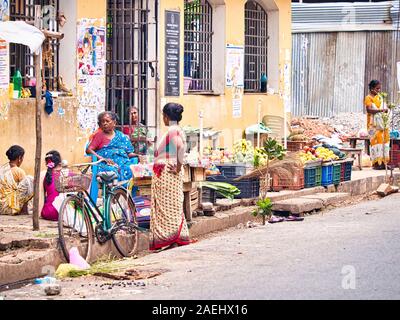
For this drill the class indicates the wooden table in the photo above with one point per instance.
(353, 143)
(354, 152)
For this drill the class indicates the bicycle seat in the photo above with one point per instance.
(108, 176)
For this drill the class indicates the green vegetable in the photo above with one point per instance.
(225, 189)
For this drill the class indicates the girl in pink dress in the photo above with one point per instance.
(53, 199)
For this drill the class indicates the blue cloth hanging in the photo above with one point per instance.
(49, 102)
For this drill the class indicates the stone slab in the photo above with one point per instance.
(298, 205)
(329, 198)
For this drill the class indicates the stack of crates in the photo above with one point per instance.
(327, 174)
(348, 168)
(312, 174)
(337, 170)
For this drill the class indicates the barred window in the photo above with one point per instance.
(198, 44)
(131, 58)
(21, 57)
(256, 42)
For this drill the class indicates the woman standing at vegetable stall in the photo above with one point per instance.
(137, 132)
(379, 137)
(168, 225)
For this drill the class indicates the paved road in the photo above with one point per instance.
(346, 253)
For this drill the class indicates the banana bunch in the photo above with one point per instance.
(260, 157)
(242, 146)
(243, 151)
(326, 154)
(307, 156)
(25, 93)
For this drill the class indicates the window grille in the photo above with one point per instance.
(256, 42)
(198, 44)
(131, 31)
(20, 56)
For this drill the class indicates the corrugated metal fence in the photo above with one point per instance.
(331, 70)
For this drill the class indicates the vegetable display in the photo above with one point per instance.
(225, 189)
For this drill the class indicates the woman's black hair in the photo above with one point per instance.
(373, 84)
(173, 111)
(15, 152)
(112, 115)
(54, 158)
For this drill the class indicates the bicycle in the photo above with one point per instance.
(81, 219)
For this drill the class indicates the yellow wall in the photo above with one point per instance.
(218, 109)
(59, 132)
(91, 9)
(63, 133)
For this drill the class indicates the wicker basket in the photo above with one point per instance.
(72, 180)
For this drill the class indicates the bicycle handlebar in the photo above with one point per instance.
(79, 165)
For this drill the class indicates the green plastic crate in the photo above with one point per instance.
(337, 169)
(318, 176)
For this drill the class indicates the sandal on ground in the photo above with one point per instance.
(294, 218)
(274, 219)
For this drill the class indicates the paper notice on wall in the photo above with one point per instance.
(237, 102)
(237, 108)
(4, 52)
(234, 66)
(4, 65)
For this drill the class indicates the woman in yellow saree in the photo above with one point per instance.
(16, 188)
(379, 137)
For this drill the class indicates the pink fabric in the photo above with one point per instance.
(49, 212)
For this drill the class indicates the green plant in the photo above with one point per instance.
(274, 151)
(386, 125)
(264, 208)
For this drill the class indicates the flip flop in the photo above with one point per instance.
(274, 219)
(294, 218)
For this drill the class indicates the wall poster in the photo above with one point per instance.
(234, 66)
(4, 64)
(91, 71)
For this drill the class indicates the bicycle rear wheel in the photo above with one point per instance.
(122, 214)
(74, 227)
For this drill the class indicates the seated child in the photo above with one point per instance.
(53, 199)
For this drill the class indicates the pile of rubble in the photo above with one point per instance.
(346, 124)
(350, 123)
(312, 127)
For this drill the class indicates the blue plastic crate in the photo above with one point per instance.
(249, 188)
(310, 175)
(327, 174)
(348, 168)
(233, 170)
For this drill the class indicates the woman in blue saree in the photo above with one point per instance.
(112, 146)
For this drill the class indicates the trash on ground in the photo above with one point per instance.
(52, 289)
(76, 259)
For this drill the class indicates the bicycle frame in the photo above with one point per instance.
(91, 205)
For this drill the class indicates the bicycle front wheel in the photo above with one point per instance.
(74, 227)
(122, 215)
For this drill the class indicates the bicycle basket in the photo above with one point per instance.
(72, 180)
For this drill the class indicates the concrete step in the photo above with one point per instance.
(329, 198)
(298, 205)
(23, 265)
